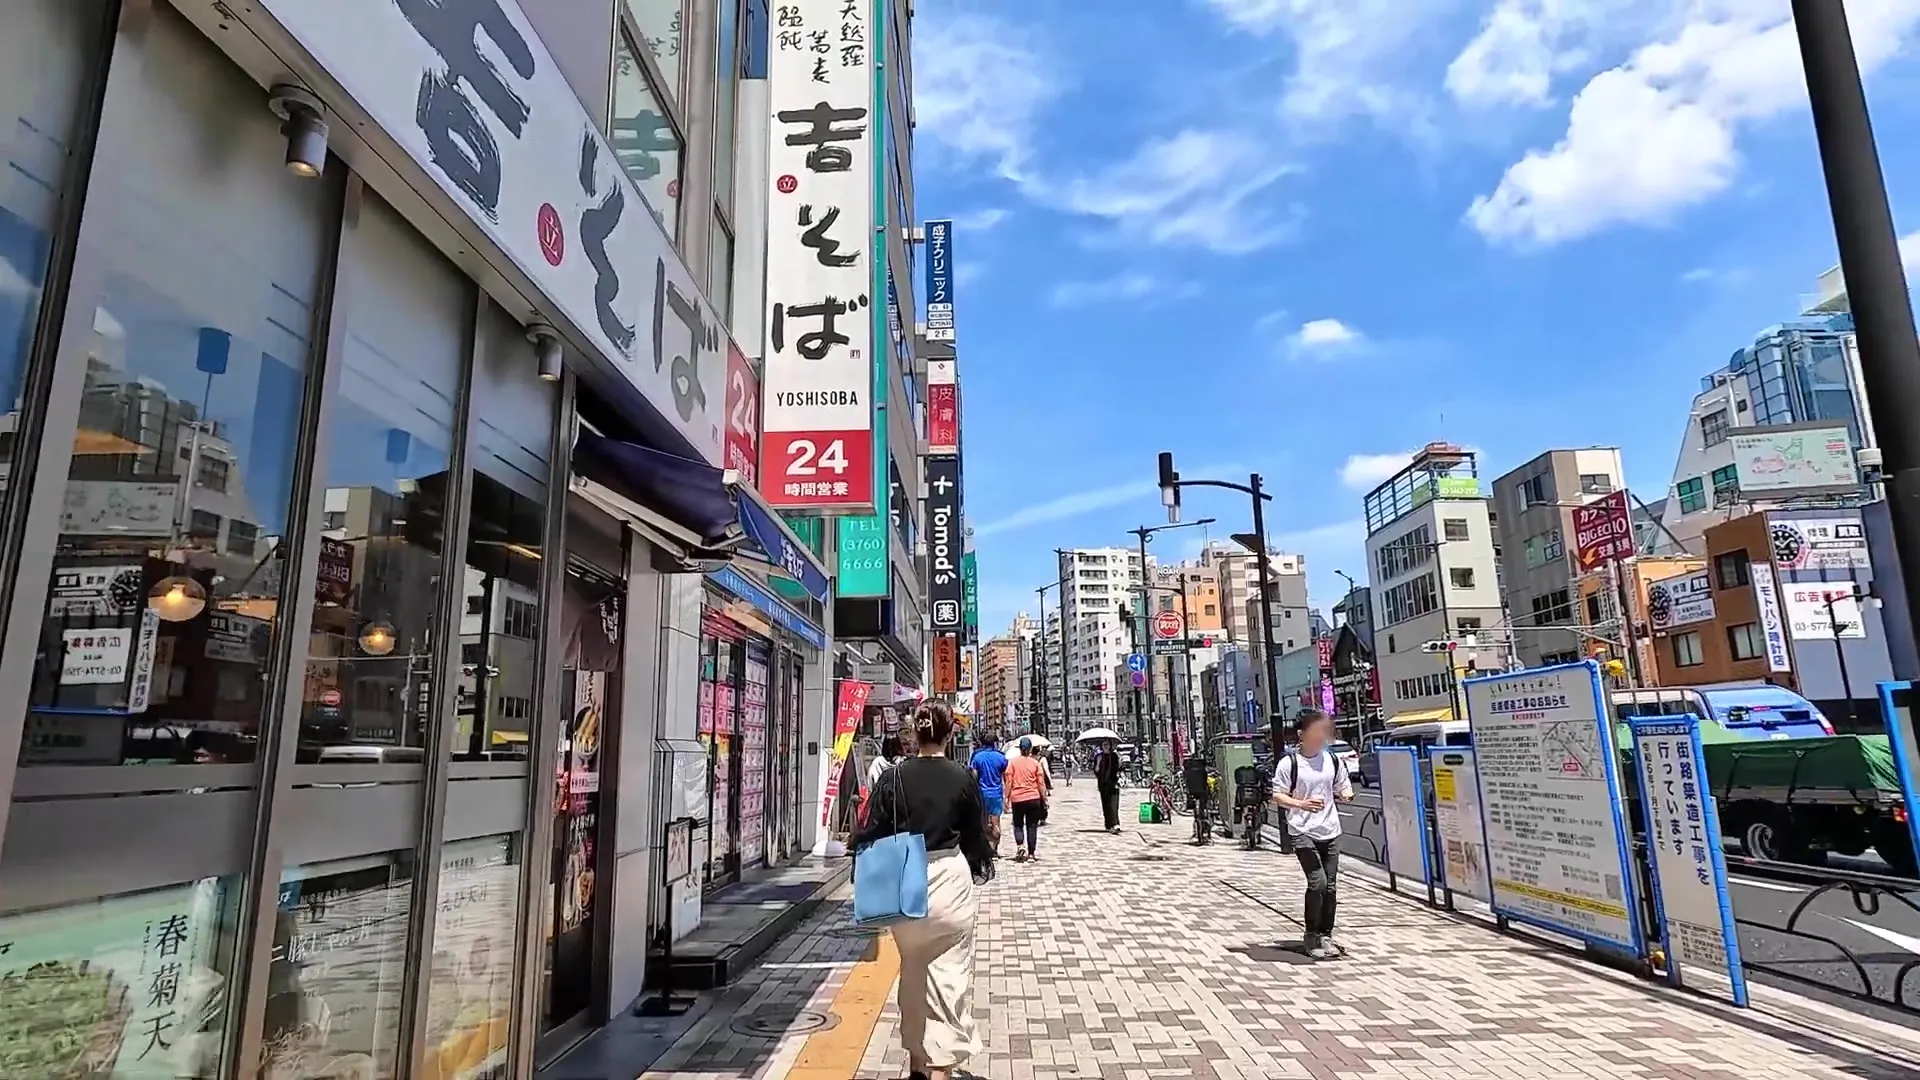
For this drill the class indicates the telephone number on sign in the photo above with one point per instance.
(818, 468)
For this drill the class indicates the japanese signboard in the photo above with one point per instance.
(1824, 611)
(1461, 829)
(1689, 868)
(968, 658)
(1549, 784)
(1403, 813)
(946, 591)
(970, 590)
(1818, 543)
(817, 439)
(1773, 625)
(468, 91)
(743, 418)
(939, 264)
(946, 663)
(943, 408)
(1815, 458)
(1680, 600)
(107, 591)
(1603, 532)
(862, 556)
(95, 656)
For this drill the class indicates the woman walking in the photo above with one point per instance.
(1027, 786)
(940, 800)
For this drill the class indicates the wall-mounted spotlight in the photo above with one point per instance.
(546, 345)
(305, 128)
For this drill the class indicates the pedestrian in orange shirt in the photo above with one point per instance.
(1027, 785)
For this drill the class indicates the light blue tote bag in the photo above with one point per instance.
(890, 874)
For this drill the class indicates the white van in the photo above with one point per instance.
(1418, 736)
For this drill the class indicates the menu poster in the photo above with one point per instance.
(753, 759)
(339, 957)
(129, 987)
(1548, 785)
(579, 814)
(470, 999)
(1456, 812)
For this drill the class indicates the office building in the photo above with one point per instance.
(1355, 610)
(1434, 577)
(383, 492)
(1192, 591)
(1237, 572)
(1803, 371)
(999, 681)
(1534, 506)
(1098, 583)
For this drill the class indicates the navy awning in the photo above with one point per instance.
(725, 516)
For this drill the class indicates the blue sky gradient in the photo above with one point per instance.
(1305, 236)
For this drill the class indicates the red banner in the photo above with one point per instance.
(943, 418)
(1602, 532)
(743, 417)
(817, 470)
(851, 706)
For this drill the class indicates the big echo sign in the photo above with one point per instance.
(1168, 624)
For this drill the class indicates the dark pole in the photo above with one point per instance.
(1186, 657)
(1870, 261)
(1066, 699)
(1145, 614)
(1263, 567)
(1133, 646)
(1039, 719)
(1840, 657)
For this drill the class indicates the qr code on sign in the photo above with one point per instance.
(1613, 887)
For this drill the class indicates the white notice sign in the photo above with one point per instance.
(1556, 847)
(1689, 869)
(1402, 813)
(95, 656)
(1456, 812)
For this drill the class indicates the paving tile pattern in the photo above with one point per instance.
(1136, 956)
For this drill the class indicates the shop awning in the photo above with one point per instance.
(708, 511)
(1420, 716)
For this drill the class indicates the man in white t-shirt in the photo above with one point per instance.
(1307, 784)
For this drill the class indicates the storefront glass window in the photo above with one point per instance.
(339, 954)
(660, 24)
(43, 58)
(576, 848)
(726, 97)
(754, 676)
(168, 571)
(377, 597)
(644, 138)
(513, 416)
(470, 991)
(124, 986)
(721, 656)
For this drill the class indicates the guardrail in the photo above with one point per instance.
(1880, 982)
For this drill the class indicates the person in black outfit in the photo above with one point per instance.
(939, 799)
(1106, 773)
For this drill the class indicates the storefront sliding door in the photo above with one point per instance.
(281, 654)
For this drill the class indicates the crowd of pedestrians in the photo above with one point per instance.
(953, 813)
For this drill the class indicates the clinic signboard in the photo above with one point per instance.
(938, 261)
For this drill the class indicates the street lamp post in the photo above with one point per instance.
(1869, 261)
(1066, 700)
(1145, 533)
(1038, 713)
(1170, 485)
(1839, 647)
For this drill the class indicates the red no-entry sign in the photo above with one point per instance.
(1167, 625)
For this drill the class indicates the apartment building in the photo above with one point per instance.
(1097, 583)
(1002, 670)
(1666, 592)
(1193, 591)
(1534, 506)
(1434, 564)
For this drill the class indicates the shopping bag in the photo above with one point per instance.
(890, 874)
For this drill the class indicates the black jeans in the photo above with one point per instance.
(1110, 805)
(1320, 860)
(1026, 824)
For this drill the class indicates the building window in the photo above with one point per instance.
(1713, 428)
(1467, 626)
(1536, 489)
(204, 524)
(720, 267)
(1454, 529)
(1209, 610)
(243, 538)
(1726, 485)
(644, 137)
(1552, 609)
(213, 473)
(1733, 569)
(1555, 548)
(659, 24)
(1595, 484)
(1745, 641)
(1692, 493)
(1461, 577)
(726, 94)
(1686, 649)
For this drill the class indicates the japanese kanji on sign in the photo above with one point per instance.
(817, 409)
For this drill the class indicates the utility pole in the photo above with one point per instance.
(1133, 646)
(1144, 612)
(1186, 657)
(1265, 568)
(1039, 718)
(1870, 261)
(1066, 699)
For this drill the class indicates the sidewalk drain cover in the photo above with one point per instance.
(774, 1023)
(1148, 858)
(856, 931)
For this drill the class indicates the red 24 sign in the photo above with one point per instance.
(819, 469)
(743, 417)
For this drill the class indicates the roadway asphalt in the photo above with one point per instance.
(1883, 938)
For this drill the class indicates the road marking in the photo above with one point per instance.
(1911, 944)
(835, 1054)
(1771, 886)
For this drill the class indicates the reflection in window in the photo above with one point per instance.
(43, 51)
(154, 645)
(137, 979)
(644, 138)
(339, 958)
(720, 268)
(513, 416)
(470, 989)
(659, 23)
(369, 656)
(726, 96)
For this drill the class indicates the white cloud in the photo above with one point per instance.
(1658, 133)
(978, 89)
(982, 219)
(1323, 337)
(1347, 54)
(1129, 286)
(1364, 472)
(1192, 189)
(966, 273)
(1697, 275)
(13, 282)
(1072, 505)
(1523, 45)
(1910, 251)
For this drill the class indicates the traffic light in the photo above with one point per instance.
(1439, 646)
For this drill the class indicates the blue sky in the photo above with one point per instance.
(1307, 236)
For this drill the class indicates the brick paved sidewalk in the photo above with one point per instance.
(1129, 956)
